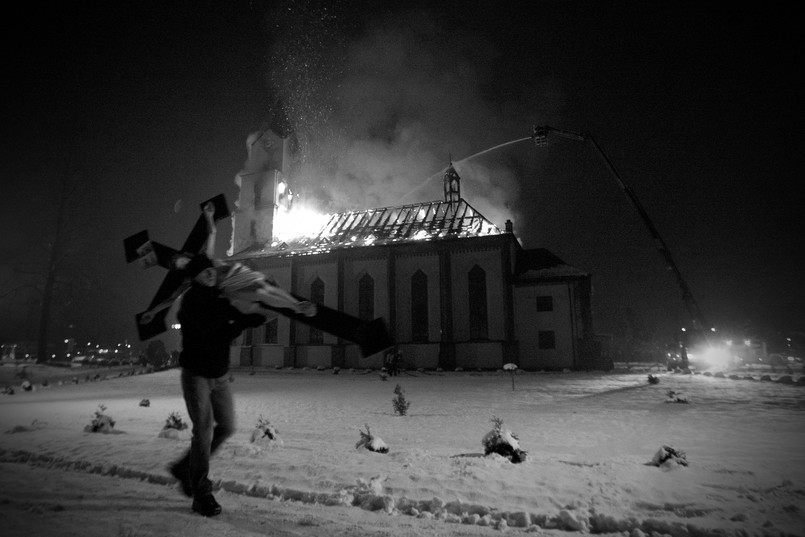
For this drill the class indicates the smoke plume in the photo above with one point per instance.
(381, 105)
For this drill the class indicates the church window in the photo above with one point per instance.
(545, 303)
(248, 337)
(479, 323)
(270, 331)
(419, 306)
(366, 298)
(317, 296)
(547, 339)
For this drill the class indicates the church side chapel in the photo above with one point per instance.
(455, 290)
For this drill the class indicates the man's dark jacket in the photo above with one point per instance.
(209, 324)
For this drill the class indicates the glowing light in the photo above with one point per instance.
(711, 359)
(281, 187)
(299, 222)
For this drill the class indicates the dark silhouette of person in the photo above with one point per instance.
(209, 323)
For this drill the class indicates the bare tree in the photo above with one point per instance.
(50, 272)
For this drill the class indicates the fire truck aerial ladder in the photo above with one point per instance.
(698, 323)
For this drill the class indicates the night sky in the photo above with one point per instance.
(145, 108)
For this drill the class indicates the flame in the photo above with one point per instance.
(296, 223)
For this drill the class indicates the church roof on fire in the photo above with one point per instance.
(387, 225)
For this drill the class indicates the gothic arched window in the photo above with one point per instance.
(270, 331)
(479, 324)
(419, 306)
(366, 298)
(317, 296)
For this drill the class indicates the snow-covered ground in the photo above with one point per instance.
(589, 439)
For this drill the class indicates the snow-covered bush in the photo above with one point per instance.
(101, 423)
(35, 425)
(503, 442)
(174, 421)
(371, 442)
(175, 428)
(265, 433)
(675, 397)
(400, 403)
(669, 457)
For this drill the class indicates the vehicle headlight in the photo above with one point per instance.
(715, 357)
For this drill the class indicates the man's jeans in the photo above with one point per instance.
(212, 411)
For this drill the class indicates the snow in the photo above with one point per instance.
(590, 439)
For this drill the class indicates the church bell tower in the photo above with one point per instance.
(261, 184)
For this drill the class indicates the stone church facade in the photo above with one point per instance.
(455, 290)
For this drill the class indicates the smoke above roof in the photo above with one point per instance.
(380, 106)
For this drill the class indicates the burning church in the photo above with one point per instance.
(455, 290)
